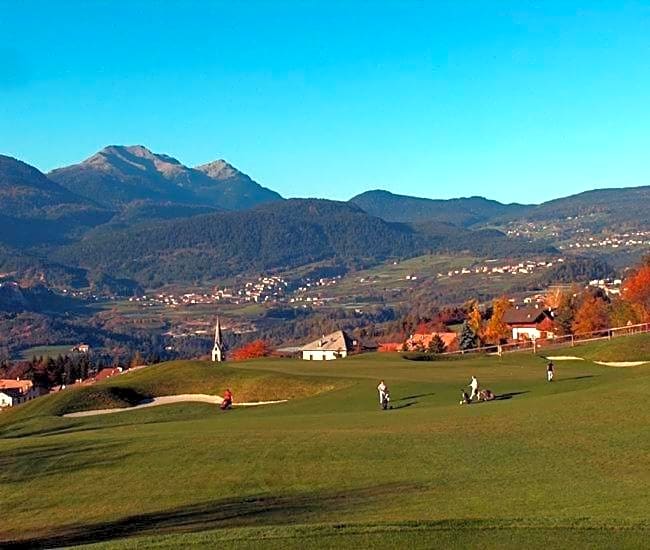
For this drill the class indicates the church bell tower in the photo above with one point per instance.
(217, 350)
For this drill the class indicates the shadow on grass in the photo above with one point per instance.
(416, 396)
(574, 378)
(403, 405)
(510, 395)
(41, 461)
(234, 512)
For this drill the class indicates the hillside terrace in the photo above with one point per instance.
(637, 238)
(521, 268)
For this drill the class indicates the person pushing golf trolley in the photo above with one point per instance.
(473, 385)
(384, 395)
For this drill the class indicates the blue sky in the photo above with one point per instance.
(513, 100)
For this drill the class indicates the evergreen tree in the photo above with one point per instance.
(436, 345)
(468, 338)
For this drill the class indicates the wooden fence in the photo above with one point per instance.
(558, 341)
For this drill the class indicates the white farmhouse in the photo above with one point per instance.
(15, 392)
(333, 346)
(529, 322)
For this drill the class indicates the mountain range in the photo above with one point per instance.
(464, 212)
(605, 206)
(135, 214)
(118, 175)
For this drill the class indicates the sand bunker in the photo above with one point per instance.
(170, 399)
(621, 363)
(564, 358)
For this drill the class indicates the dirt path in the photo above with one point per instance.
(170, 399)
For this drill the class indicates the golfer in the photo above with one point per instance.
(227, 400)
(550, 371)
(382, 389)
(474, 386)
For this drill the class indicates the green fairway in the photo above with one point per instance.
(553, 465)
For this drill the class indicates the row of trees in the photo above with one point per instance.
(575, 311)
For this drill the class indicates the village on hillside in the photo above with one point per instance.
(561, 316)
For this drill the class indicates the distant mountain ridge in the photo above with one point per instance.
(619, 206)
(277, 236)
(119, 174)
(463, 212)
(613, 205)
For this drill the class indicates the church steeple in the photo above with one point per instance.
(217, 349)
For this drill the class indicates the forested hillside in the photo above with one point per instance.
(279, 236)
(34, 209)
(284, 235)
(605, 207)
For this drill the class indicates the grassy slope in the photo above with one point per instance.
(562, 460)
(628, 348)
(172, 378)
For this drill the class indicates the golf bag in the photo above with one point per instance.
(485, 395)
(465, 398)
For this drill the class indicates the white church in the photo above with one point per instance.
(218, 352)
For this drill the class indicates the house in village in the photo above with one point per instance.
(15, 392)
(531, 322)
(81, 348)
(336, 345)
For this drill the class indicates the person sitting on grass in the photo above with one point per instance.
(550, 371)
(227, 400)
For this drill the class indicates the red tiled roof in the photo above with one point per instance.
(389, 346)
(21, 385)
(106, 373)
(526, 315)
(448, 338)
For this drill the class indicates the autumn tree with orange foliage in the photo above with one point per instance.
(475, 320)
(565, 312)
(636, 290)
(591, 315)
(257, 348)
(496, 329)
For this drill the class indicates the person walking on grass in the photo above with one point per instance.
(474, 387)
(550, 371)
(382, 389)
